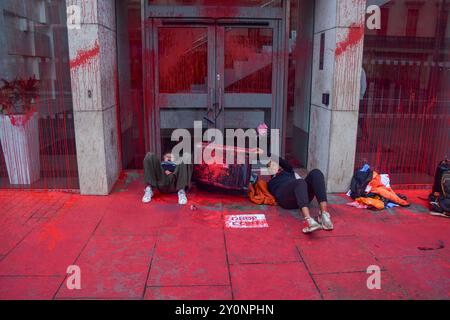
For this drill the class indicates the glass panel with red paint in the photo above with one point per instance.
(404, 116)
(301, 36)
(183, 59)
(248, 60)
(37, 148)
(240, 3)
(131, 106)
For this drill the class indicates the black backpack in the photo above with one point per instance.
(359, 183)
(440, 196)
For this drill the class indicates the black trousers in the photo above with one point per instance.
(297, 194)
(155, 176)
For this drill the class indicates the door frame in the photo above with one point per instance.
(150, 14)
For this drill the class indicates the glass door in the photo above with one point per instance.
(219, 72)
(245, 74)
(184, 77)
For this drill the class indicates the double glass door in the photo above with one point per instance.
(219, 72)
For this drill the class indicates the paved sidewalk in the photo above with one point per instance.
(128, 250)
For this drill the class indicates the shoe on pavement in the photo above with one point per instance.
(440, 214)
(182, 198)
(325, 221)
(148, 194)
(311, 225)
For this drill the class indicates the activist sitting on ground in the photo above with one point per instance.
(166, 176)
(293, 192)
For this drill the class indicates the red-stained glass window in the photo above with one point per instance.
(404, 121)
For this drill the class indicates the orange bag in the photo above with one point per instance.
(259, 193)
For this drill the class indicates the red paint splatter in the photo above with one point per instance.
(22, 119)
(84, 56)
(51, 234)
(355, 34)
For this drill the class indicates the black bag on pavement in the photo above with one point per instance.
(359, 183)
(440, 196)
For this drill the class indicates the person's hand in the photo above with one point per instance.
(167, 172)
(256, 151)
(273, 167)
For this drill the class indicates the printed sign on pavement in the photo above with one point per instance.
(246, 221)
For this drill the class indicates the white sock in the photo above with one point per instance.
(148, 194)
(182, 198)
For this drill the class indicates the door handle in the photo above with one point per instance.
(219, 104)
(217, 107)
(211, 109)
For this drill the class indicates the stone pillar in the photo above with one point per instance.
(333, 127)
(93, 70)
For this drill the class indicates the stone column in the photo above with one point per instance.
(93, 70)
(333, 127)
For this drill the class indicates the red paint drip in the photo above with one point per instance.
(52, 235)
(355, 34)
(84, 56)
(21, 120)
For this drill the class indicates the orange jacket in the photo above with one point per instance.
(259, 193)
(380, 189)
(371, 202)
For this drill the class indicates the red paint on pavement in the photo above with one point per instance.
(117, 241)
(50, 234)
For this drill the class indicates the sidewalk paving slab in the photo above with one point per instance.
(267, 245)
(284, 281)
(335, 254)
(353, 286)
(29, 287)
(189, 256)
(189, 293)
(113, 267)
(423, 278)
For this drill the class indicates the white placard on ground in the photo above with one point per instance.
(246, 221)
